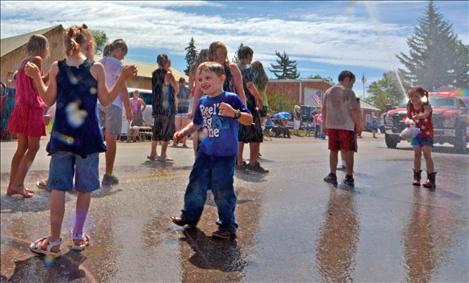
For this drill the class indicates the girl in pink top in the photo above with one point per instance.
(27, 120)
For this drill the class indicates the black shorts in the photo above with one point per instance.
(263, 111)
(163, 128)
(253, 132)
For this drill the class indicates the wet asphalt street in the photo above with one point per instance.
(292, 226)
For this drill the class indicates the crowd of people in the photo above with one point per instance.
(223, 108)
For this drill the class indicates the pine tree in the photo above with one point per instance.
(285, 68)
(191, 55)
(437, 58)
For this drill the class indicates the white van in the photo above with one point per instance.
(146, 95)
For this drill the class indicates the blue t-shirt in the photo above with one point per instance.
(220, 136)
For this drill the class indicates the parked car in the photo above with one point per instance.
(450, 121)
(147, 96)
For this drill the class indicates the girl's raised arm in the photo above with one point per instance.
(48, 93)
(106, 96)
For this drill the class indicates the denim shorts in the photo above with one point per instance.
(65, 165)
(421, 142)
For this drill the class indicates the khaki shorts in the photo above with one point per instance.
(111, 119)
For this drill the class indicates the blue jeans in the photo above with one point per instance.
(215, 173)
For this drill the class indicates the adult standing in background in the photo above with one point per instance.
(218, 52)
(260, 80)
(296, 120)
(164, 90)
(136, 103)
(252, 133)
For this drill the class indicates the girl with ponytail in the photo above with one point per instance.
(76, 83)
(420, 111)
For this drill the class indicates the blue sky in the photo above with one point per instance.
(324, 37)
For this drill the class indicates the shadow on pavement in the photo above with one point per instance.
(36, 268)
(105, 191)
(41, 269)
(250, 176)
(437, 149)
(223, 255)
(39, 202)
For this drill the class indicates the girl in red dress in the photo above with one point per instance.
(27, 120)
(420, 110)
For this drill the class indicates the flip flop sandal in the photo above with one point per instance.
(167, 159)
(152, 158)
(81, 244)
(35, 247)
(42, 185)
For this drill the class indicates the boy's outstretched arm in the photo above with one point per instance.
(189, 129)
(228, 111)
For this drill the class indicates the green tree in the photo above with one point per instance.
(285, 68)
(436, 57)
(319, 77)
(386, 91)
(280, 102)
(191, 55)
(101, 40)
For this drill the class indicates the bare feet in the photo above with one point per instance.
(19, 190)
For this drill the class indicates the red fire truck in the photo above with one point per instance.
(450, 121)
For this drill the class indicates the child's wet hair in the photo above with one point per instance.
(245, 52)
(260, 77)
(116, 44)
(212, 49)
(75, 37)
(37, 44)
(107, 50)
(162, 59)
(417, 89)
(420, 90)
(210, 66)
(346, 74)
(203, 56)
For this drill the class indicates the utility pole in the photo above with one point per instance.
(363, 82)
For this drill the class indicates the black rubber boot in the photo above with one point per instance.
(431, 182)
(417, 177)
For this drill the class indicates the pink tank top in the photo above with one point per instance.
(26, 94)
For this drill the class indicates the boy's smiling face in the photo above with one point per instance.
(210, 83)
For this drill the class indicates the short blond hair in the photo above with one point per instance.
(211, 66)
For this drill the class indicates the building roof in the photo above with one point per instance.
(146, 69)
(302, 80)
(10, 44)
(367, 106)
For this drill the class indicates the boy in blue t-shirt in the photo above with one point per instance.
(218, 112)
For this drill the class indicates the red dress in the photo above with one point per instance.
(28, 114)
(425, 125)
